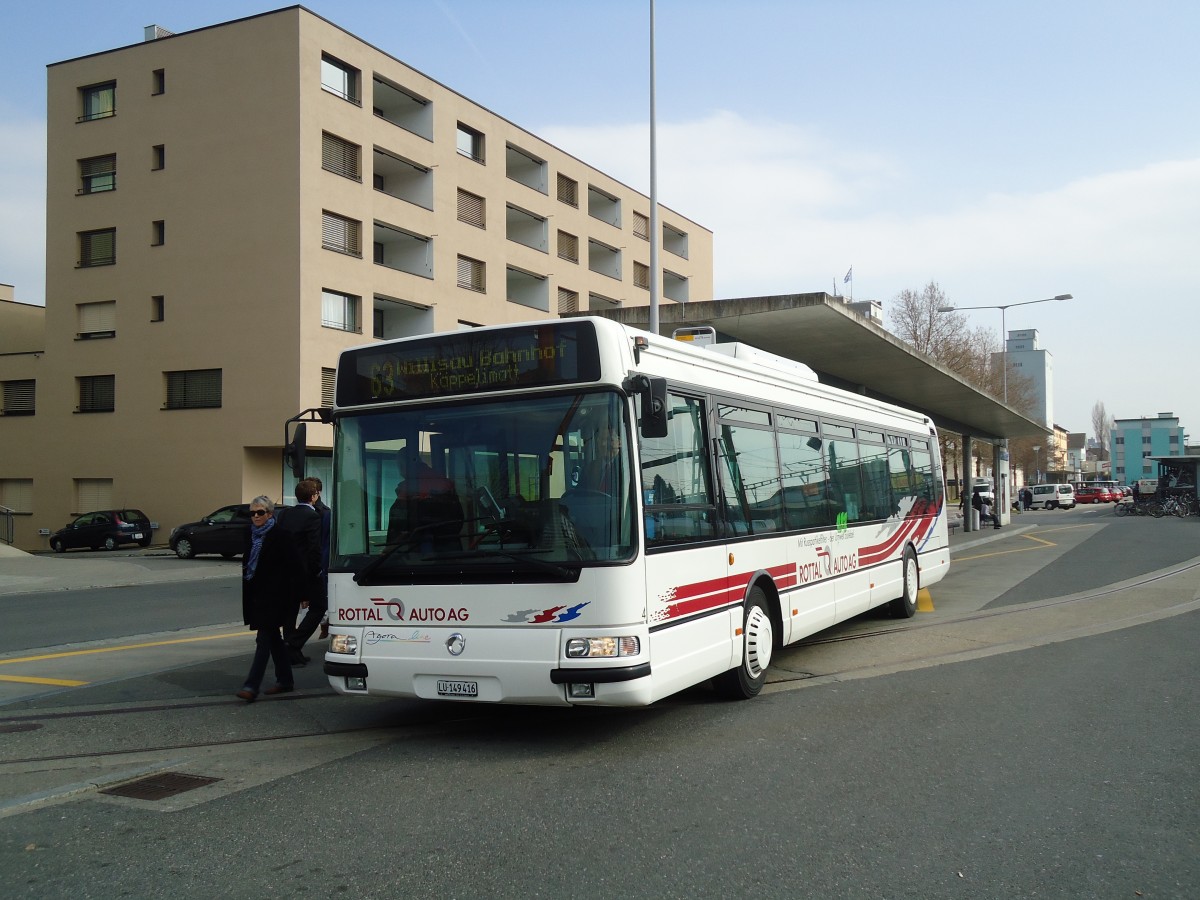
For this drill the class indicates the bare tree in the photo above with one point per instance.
(1102, 425)
(946, 337)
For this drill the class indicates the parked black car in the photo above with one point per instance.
(107, 528)
(223, 531)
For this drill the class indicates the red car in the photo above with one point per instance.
(1090, 493)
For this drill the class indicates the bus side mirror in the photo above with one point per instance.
(653, 392)
(294, 452)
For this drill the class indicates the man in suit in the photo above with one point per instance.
(304, 523)
(317, 600)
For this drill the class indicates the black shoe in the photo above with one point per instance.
(298, 659)
(279, 689)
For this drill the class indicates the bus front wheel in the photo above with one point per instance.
(905, 606)
(758, 642)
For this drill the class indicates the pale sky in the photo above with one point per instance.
(1009, 151)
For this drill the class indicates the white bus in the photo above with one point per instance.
(576, 512)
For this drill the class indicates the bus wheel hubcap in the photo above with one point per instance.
(759, 641)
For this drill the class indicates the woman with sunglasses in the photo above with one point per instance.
(271, 566)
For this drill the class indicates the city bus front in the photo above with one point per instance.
(484, 548)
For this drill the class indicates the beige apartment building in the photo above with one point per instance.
(228, 208)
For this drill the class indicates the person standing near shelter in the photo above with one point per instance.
(317, 600)
(304, 523)
(270, 568)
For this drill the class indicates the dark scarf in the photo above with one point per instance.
(257, 533)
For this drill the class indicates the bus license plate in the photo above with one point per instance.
(458, 688)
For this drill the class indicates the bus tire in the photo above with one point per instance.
(905, 606)
(758, 642)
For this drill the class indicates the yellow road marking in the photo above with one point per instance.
(924, 601)
(60, 682)
(1043, 544)
(67, 653)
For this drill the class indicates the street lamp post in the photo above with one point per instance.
(1004, 308)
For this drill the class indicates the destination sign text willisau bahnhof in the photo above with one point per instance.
(469, 362)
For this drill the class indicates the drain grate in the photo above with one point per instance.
(160, 786)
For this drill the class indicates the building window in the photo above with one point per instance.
(18, 397)
(159, 78)
(97, 393)
(328, 380)
(470, 143)
(340, 156)
(340, 311)
(158, 233)
(96, 320)
(92, 493)
(525, 168)
(604, 206)
(471, 274)
(568, 247)
(99, 101)
(17, 494)
(98, 174)
(568, 300)
(194, 389)
(641, 226)
(568, 190)
(160, 157)
(641, 275)
(471, 209)
(158, 308)
(341, 234)
(98, 248)
(339, 78)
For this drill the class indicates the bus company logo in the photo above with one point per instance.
(393, 608)
(823, 560)
(546, 616)
(843, 521)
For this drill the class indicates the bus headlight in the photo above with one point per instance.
(343, 643)
(604, 647)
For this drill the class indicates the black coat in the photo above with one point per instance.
(304, 523)
(269, 597)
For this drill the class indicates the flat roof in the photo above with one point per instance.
(846, 350)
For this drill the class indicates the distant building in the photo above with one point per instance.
(228, 208)
(1137, 442)
(1031, 362)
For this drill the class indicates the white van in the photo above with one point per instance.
(1053, 496)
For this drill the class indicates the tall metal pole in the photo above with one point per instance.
(655, 228)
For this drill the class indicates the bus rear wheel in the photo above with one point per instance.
(905, 606)
(758, 642)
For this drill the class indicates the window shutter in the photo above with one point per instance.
(340, 156)
(97, 393)
(92, 493)
(97, 248)
(641, 226)
(568, 190)
(341, 234)
(196, 389)
(470, 274)
(568, 246)
(17, 494)
(97, 317)
(641, 275)
(471, 209)
(568, 301)
(19, 397)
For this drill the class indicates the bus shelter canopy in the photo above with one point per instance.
(846, 350)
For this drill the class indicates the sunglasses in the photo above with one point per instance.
(258, 512)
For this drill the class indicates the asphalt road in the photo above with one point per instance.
(1035, 735)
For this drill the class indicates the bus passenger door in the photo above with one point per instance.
(687, 571)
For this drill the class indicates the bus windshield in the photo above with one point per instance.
(528, 489)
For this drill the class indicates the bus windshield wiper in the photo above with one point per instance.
(516, 556)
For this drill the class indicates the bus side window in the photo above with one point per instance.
(750, 480)
(675, 478)
(804, 480)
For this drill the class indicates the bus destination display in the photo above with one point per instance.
(469, 362)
